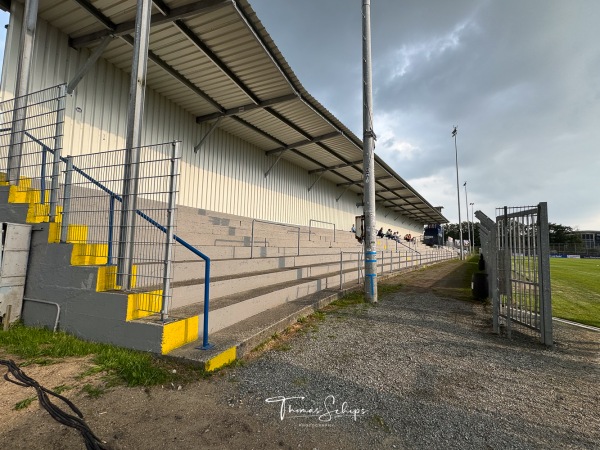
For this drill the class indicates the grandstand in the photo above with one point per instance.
(267, 182)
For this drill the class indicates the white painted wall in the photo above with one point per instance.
(227, 175)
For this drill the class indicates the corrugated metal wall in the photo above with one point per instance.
(226, 175)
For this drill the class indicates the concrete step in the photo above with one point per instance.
(223, 252)
(192, 291)
(235, 341)
(194, 269)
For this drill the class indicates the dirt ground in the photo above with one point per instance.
(213, 414)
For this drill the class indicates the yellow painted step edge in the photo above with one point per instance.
(107, 279)
(89, 254)
(76, 234)
(181, 332)
(141, 304)
(222, 359)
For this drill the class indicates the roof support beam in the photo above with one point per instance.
(258, 130)
(183, 80)
(215, 60)
(162, 7)
(315, 182)
(275, 163)
(379, 191)
(385, 177)
(108, 24)
(5, 5)
(351, 183)
(314, 140)
(246, 108)
(125, 28)
(205, 137)
(89, 63)
(337, 166)
(343, 192)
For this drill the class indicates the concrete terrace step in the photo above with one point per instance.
(192, 291)
(223, 252)
(235, 341)
(230, 309)
(239, 339)
(191, 269)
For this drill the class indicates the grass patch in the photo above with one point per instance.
(120, 366)
(60, 389)
(24, 403)
(92, 391)
(575, 287)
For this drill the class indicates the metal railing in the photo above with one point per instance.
(29, 127)
(516, 252)
(91, 190)
(271, 223)
(310, 222)
(404, 261)
(31, 130)
(359, 265)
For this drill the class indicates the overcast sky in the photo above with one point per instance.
(519, 78)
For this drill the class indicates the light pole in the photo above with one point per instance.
(468, 227)
(472, 221)
(462, 256)
(369, 161)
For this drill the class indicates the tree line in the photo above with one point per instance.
(558, 234)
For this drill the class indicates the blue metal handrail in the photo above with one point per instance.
(114, 196)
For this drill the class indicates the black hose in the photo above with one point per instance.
(20, 378)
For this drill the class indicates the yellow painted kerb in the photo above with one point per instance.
(176, 334)
(143, 304)
(221, 359)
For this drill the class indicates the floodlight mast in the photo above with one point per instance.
(468, 225)
(370, 242)
(460, 238)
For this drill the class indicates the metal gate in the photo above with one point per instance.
(516, 249)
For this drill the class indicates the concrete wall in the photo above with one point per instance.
(227, 175)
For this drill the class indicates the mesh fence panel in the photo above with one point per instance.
(30, 134)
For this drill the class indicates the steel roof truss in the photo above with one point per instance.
(125, 28)
(245, 108)
(303, 143)
(337, 166)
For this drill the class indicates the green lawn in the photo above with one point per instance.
(576, 289)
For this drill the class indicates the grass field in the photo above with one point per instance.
(576, 289)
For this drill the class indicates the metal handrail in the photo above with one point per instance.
(408, 247)
(358, 265)
(320, 221)
(272, 223)
(205, 344)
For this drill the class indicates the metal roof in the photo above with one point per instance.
(219, 51)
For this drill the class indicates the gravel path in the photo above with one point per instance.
(419, 371)
(423, 371)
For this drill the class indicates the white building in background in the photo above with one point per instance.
(215, 77)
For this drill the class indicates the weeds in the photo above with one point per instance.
(92, 391)
(24, 403)
(132, 368)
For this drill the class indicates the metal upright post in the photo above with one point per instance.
(468, 226)
(64, 224)
(544, 277)
(15, 149)
(135, 112)
(472, 222)
(170, 230)
(369, 162)
(460, 238)
(58, 143)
